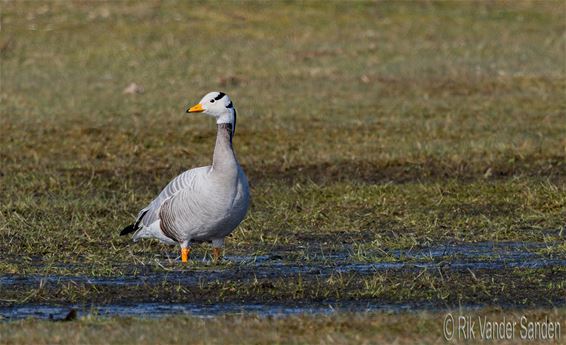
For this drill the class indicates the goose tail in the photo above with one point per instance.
(135, 226)
(128, 229)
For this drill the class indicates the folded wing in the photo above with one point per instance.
(184, 181)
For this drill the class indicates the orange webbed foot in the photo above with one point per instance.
(185, 253)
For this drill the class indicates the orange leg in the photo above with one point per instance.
(185, 254)
(216, 254)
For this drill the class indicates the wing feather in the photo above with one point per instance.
(186, 180)
(181, 211)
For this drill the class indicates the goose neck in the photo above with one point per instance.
(223, 151)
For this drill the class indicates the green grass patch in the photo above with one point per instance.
(364, 127)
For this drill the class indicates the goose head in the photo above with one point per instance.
(218, 105)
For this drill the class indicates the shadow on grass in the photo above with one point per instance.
(427, 170)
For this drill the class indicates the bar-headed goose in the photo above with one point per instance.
(201, 204)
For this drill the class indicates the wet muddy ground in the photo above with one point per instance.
(451, 275)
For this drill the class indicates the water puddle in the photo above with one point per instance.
(275, 270)
(501, 250)
(156, 310)
(469, 256)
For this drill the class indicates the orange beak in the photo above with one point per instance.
(196, 109)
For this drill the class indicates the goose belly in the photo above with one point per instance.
(222, 213)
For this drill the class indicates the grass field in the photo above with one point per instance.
(364, 128)
(404, 328)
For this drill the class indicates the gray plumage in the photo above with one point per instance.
(201, 204)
